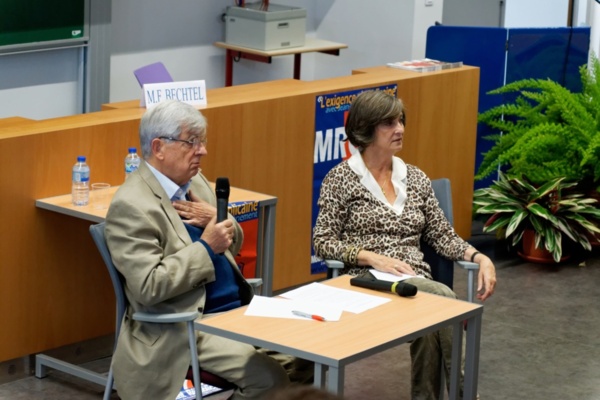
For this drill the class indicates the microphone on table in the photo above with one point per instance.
(222, 192)
(400, 288)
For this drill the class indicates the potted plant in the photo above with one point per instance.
(547, 133)
(550, 211)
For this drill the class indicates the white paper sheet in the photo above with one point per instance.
(386, 276)
(347, 300)
(282, 308)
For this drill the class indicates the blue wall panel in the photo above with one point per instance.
(547, 53)
(479, 47)
(555, 53)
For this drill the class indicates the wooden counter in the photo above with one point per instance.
(14, 121)
(261, 136)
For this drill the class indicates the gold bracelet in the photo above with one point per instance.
(351, 255)
(355, 255)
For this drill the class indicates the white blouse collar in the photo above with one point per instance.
(357, 164)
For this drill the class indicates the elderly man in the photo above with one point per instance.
(175, 257)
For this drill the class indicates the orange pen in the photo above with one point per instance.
(310, 316)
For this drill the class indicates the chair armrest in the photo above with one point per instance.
(255, 282)
(470, 267)
(467, 265)
(334, 266)
(166, 318)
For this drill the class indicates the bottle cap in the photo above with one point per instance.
(80, 158)
(133, 149)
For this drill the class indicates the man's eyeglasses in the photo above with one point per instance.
(195, 142)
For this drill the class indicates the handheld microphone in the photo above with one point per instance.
(222, 192)
(400, 288)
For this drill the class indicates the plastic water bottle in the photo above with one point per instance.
(132, 161)
(80, 190)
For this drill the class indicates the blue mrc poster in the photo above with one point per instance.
(331, 145)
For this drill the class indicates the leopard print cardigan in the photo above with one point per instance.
(350, 216)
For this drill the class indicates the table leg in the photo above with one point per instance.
(297, 64)
(267, 247)
(229, 67)
(472, 357)
(335, 380)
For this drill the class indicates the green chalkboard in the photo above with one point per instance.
(25, 23)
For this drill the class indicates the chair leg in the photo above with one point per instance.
(195, 364)
(109, 385)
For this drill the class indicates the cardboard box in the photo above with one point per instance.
(278, 27)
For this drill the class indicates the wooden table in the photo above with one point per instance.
(311, 45)
(333, 345)
(265, 235)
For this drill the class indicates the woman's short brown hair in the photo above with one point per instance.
(368, 110)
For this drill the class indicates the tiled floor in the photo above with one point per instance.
(539, 341)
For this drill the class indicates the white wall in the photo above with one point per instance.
(594, 21)
(181, 32)
(512, 13)
(536, 13)
(376, 32)
(473, 13)
(42, 84)
(580, 14)
(424, 17)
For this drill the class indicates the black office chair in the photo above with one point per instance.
(197, 376)
(442, 270)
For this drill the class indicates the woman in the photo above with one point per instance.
(374, 209)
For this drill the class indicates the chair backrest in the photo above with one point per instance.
(442, 270)
(152, 73)
(443, 193)
(97, 232)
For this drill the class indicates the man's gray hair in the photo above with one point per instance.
(169, 118)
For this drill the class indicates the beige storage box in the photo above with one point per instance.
(278, 27)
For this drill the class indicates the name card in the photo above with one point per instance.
(190, 92)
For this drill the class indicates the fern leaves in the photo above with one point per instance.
(547, 131)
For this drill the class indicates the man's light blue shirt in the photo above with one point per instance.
(173, 190)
